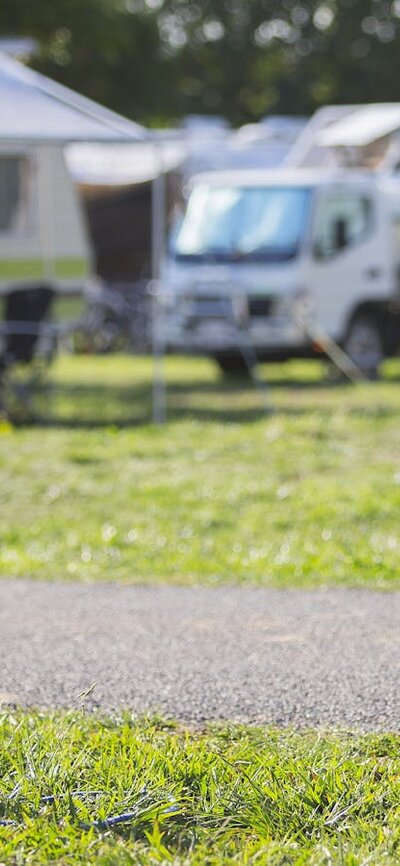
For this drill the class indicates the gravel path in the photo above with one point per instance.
(284, 657)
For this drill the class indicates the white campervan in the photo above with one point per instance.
(267, 259)
(45, 257)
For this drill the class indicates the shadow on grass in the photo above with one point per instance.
(90, 405)
(102, 406)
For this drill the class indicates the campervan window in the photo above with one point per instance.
(232, 223)
(354, 210)
(14, 180)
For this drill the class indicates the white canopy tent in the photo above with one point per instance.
(36, 109)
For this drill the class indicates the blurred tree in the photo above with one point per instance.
(157, 60)
(245, 58)
(106, 49)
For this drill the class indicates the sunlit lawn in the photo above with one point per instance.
(297, 486)
(79, 789)
(307, 493)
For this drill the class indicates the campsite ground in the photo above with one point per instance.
(304, 495)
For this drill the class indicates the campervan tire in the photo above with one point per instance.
(364, 344)
(233, 366)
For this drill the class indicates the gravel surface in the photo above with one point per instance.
(282, 657)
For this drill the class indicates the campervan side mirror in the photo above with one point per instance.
(340, 234)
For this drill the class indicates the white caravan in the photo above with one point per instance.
(273, 265)
(45, 257)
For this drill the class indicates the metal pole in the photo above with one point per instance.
(334, 352)
(158, 225)
(159, 385)
(158, 208)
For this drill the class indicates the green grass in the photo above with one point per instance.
(307, 495)
(227, 795)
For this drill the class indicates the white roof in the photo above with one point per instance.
(296, 177)
(34, 108)
(198, 148)
(363, 126)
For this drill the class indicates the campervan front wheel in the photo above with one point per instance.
(364, 344)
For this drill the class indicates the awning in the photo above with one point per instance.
(362, 127)
(35, 108)
(123, 164)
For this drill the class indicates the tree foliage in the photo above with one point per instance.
(157, 60)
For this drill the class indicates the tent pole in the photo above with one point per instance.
(45, 167)
(158, 223)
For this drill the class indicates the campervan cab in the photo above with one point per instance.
(267, 259)
(45, 257)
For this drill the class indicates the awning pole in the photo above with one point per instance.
(158, 225)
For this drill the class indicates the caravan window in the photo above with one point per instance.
(14, 179)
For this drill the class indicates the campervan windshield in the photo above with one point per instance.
(231, 223)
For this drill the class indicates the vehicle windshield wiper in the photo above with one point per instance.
(205, 256)
(262, 253)
(238, 255)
